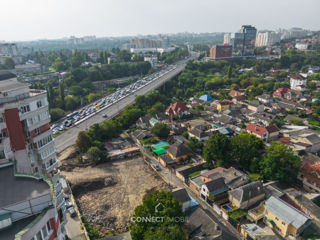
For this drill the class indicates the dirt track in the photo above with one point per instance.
(124, 183)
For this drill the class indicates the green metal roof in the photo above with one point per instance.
(161, 144)
(160, 151)
(5, 216)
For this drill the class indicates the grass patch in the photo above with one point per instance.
(149, 141)
(92, 231)
(313, 122)
(254, 177)
(194, 174)
(237, 214)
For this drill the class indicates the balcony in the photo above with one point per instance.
(257, 213)
(60, 200)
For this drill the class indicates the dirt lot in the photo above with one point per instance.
(108, 193)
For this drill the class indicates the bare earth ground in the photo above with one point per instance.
(108, 193)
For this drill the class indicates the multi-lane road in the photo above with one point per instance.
(68, 138)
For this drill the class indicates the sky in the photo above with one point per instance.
(51, 19)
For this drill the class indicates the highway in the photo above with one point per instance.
(68, 138)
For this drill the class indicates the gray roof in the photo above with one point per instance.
(313, 138)
(11, 84)
(248, 191)
(286, 212)
(16, 189)
(181, 195)
(217, 186)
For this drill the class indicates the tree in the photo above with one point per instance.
(56, 113)
(9, 63)
(94, 154)
(168, 233)
(83, 141)
(217, 149)
(61, 90)
(162, 206)
(245, 147)
(194, 144)
(71, 102)
(161, 130)
(280, 163)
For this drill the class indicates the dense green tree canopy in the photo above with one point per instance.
(217, 150)
(164, 207)
(161, 130)
(280, 163)
(245, 147)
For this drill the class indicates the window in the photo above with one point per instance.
(5, 94)
(283, 223)
(39, 236)
(48, 226)
(2, 155)
(37, 131)
(44, 231)
(277, 219)
(39, 104)
(278, 229)
(25, 109)
(44, 141)
(1, 119)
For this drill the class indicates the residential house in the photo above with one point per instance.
(165, 160)
(265, 98)
(263, 118)
(206, 98)
(303, 202)
(248, 195)
(293, 95)
(311, 139)
(183, 172)
(252, 231)
(141, 134)
(200, 226)
(255, 106)
(285, 219)
(280, 92)
(177, 109)
(198, 134)
(153, 121)
(233, 178)
(182, 196)
(235, 93)
(143, 122)
(298, 82)
(289, 105)
(214, 191)
(179, 152)
(239, 99)
(309, 175)
(265, 133)
(223, 105)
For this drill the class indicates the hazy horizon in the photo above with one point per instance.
(49, 19)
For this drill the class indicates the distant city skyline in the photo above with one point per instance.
(56, 19)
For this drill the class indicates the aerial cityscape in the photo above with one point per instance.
(148, 122)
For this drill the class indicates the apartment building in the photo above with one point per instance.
(32, 198)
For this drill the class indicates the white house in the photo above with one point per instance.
(298, 83)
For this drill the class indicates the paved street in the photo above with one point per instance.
(228, 231)
(68, 138)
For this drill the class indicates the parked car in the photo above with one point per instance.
(104, 115)
(68, 204)
(72, 212)
(156, 166)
